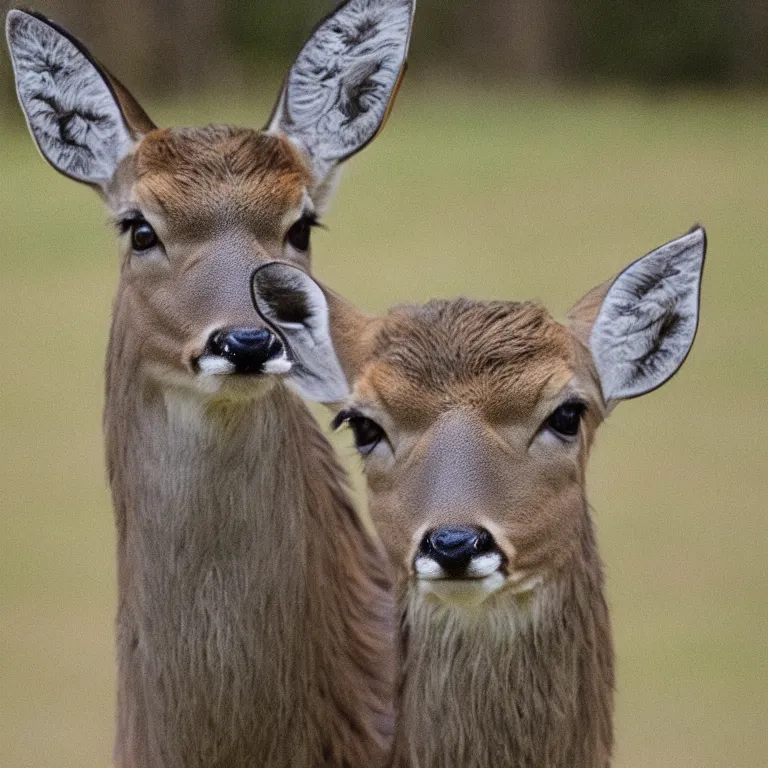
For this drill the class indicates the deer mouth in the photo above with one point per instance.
(243, 351)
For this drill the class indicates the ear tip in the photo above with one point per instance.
(14, 14)
(17, 15)
(13, 19)
(17, 18)
(698, 229)
(698, 237)
(18, 22)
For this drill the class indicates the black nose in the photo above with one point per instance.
(246, 348)
(453, 547)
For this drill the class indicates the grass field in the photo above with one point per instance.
(501, 195)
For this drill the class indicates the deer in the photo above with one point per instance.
(475, 421)
(255, 612)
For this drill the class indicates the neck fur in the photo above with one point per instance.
(254, 619)
(518, 681)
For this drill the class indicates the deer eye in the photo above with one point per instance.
(143, 237)
(298, 234)
(367, 433)
(565, 419)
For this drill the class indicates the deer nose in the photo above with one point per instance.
(248, 349)
(454, 546)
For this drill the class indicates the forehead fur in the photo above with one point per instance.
(195, 173)
(496, 356)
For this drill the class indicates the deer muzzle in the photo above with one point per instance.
(457, 552)
(243, 351)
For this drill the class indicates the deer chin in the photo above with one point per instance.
(462, 593)
(524, 582)
(471, 591)
(212, 379)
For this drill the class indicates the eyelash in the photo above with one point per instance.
(356, 421)
(124, 223)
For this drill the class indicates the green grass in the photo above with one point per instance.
(496, 195)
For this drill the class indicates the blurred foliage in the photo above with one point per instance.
(270, 31)
(659, 42)
(172, 46)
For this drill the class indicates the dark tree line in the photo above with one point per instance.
(172, 46)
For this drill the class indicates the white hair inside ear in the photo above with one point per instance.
(340, 88)
(70, 108)
(648, 319)
(295, 307)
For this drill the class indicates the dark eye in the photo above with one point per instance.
(298, 234)
(143, 237)
(566, 418)
(368, 434)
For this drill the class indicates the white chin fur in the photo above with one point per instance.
(427, 568)
(277, 365)
(484, 565)
(215, 365)
(463, 593)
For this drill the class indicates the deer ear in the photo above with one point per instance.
(641, 326)
(295, 307)
(72, 105)
(340, 89)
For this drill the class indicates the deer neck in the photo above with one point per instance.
(254, 619)
(525, 681)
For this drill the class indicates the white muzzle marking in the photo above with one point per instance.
(215, 365)
(480, 566)
(278, 365)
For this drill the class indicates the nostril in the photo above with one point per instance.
(483, 542)
(215, 344)
(425, 547)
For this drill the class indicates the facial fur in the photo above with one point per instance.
(462, 390)
(220, 200)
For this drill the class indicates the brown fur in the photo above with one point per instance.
(462, 389)
(197, 174)
(468, 354)
(255, 616)
(516, 682)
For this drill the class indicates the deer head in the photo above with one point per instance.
(197, 209)
(474, 418)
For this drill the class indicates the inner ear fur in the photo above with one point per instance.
(340, 89)
(640, 326)
(82, 118)
(326, 338)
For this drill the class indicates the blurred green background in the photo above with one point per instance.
(492, 182)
